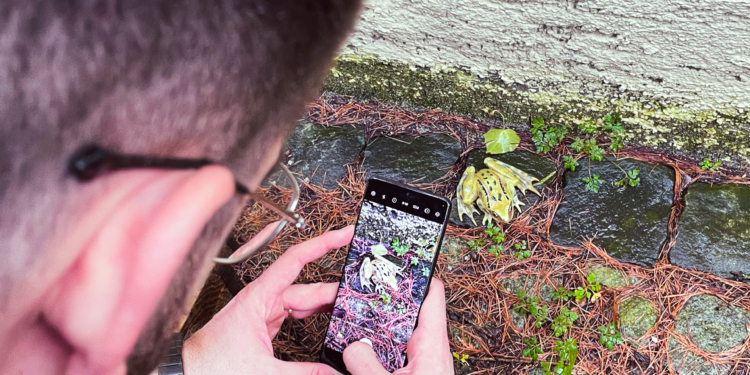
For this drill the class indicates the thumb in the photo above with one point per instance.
(360, 359)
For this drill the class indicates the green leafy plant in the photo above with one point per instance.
(567, 352)
(399, 248)
(587, 126)
(581, 294)
(385, 297)
(570, 162)
(613, 124)
(496, 233)
(521, 251)
(593, 182)
(561, 293)
(426, 272)
(532, 349)
(500, 141)
(530, 305)
(610, 336)
(496, 250)
(708, 165)
(631, 178)
(476, 244)
(563, 321)
(414, 261)
(545, 137)
(461, 358)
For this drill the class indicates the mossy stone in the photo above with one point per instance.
(609, 277)
(630, 223)
(529, 162)
(411, 159)
(637, 316)
(451, 250)
(714, 231)
(712, 324)
(714, 327)
(532, 284)
(320, 153)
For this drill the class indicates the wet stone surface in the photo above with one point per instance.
(528, 162)
(713, 326)
(411, 159)
(629, 223)
(321, 152)
(714, 231)
(637, 316)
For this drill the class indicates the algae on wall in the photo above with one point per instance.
(665, 125)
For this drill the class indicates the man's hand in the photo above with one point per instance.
(238, 339)
(428, 349)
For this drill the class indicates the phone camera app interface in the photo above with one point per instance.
(384, 283)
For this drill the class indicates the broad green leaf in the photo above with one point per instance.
(500, 141)
(379, 250)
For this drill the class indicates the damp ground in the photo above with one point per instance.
(672, 254)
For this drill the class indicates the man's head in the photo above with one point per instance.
(86, 266)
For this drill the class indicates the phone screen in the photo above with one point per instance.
(387, 271)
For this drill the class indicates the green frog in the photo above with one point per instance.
(494, 191)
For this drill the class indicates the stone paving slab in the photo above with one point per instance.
(629, 223)
(411, 159)
(714, 231)
(529, 162)
(713, 326)
(321, 153)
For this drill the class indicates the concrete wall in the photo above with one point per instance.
(678, 70)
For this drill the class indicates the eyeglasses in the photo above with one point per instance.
(91, 161)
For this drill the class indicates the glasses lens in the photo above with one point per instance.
(270, 231)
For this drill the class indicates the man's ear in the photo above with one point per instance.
(105, 298)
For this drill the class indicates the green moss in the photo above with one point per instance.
(637, 316)
(650, 122)
(609, 277)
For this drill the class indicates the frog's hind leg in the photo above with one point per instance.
(521, 179)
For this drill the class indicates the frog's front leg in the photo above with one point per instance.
(466, 194)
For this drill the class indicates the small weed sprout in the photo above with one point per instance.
(610, 336)
(546, 138)
(561, 294)
(708, 165)
(563, 322)
(399, 248)
(530, 305)
(570, 163)
(461, 358)
(568, 354)
(521, 251)
(496, 233)
(532, 349)
(593, 182)
(476, 244)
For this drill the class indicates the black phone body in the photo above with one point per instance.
(387, 273)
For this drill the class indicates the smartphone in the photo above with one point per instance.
(387, 272)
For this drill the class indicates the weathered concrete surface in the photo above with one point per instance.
(411, 159)
(529, 162)
(714, 231)
(630, 223)
(678, 70)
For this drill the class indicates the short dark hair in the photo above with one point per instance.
(186, 78)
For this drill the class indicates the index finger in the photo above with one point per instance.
(429, 344)
(285, 270)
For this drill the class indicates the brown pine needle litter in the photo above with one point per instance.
(479, 307)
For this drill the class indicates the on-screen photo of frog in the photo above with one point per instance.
(384, 283)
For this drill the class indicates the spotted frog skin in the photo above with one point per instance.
(493, 190)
